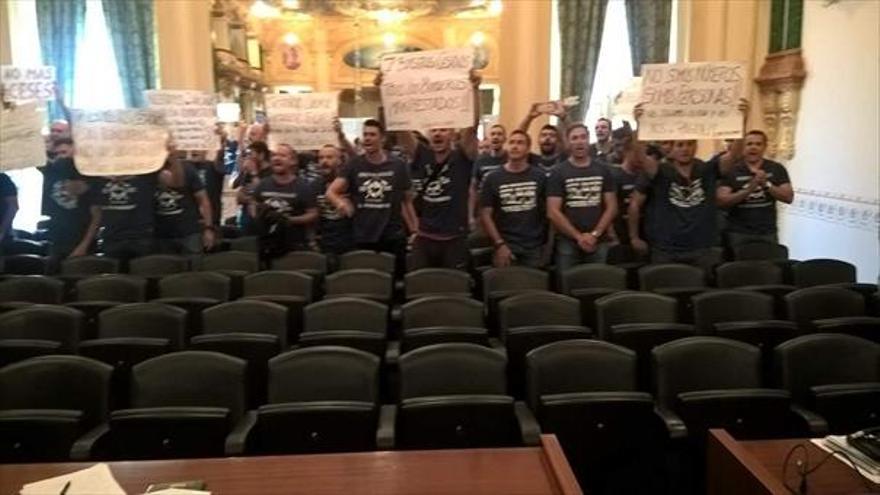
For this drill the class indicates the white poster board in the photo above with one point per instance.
(21, 143)
(22, 84)
(302, 120)
(189, 115)
(692, 100)
(626, 100)
(119, 142)
(428, 90)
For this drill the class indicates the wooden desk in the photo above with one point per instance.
(755, 467)
(527, 471)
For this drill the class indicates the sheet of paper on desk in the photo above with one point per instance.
(179, 491)
(96, 480)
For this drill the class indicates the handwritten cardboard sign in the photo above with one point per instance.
(120, 142)
(22, 84)
(303, 120)
(428, 90)
(21, 143)
(189, 115)
(692, 100)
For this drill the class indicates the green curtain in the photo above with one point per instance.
(580, 38)
(60, 23)
(130, 23)
(648, 22)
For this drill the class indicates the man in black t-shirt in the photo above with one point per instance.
(334, 228)
(484, 164)
(286, 205)
(581, 204)
(71, 226)
(551, 141)
(379, 197)
(750, 192)
(603, 145)
(178, 230)
(254, 167)
(626, 175)
(8, 209)
(512, 203)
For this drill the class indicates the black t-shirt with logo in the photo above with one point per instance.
(547, 163)
(69, 213)
(335, 229)
(624, 186)
(518, 205)
(291, 199)
(7, 190)
(484, 164)
(127, 205)
(757, 213)
(581, 190)
(177, 214)
(377, 192)
(444, 194)
(213, 181)
(681, 213)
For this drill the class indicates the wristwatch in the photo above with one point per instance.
(595, 234)
(499, 243)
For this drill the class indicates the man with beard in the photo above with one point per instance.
(551, 141)
(335, 235)
(178, 210)
(603, 147)
(484, 164)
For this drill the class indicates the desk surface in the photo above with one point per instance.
(755, 466)
(528, 470)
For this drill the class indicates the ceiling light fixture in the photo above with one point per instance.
(263, 10)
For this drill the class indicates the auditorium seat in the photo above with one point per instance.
(413, 338)
(183, 405)
(538, 308)
(248, 244)
(633, 307)
(100, 292)
(85, 266)
(836, 376)
(26, 246)
(437, 282)
(518, 341)
(366, 283)
(347, 321)
(719, 306)
(832, 309)
(821, 271)
(234, 264)
(25, 264)
(29, 331)
(765, 251)
(293, 290)
(321, 399)
(759, 276)
(447, 311)
(47, 402)
(499, 283)
(675, 280)
(589, 282)
(309, 262)
(194, 291)
(367, 260)
(155, 266)
(36, 289)
(455, 396)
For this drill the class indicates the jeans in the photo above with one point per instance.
(433, 253)
(528, 257)
(704, 258)
(569, 254)
(126, 249)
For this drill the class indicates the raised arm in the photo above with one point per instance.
(344, 144)
(469, 142)
(641, 160)
(529, 118)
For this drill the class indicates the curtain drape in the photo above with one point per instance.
(580, 38)
(648, 22)
(60, 24)
(130, 24)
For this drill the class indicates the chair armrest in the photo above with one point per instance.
(674, 425)
(237, 440)
(385, 432)
(85, 445)
(528, 425)
(813, 423)
(392, 353)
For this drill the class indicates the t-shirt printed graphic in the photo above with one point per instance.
(375, 189)
(168, 202)
(757, 213)
(583, 192)
(518, 196)
(687, 195)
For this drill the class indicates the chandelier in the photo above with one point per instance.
(384, 12)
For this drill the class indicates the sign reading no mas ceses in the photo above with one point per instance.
(429, 89)
(190, 116)
(692, 100)
(27, 83)
(303, 120)
(119, 142)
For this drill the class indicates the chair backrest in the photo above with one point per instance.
(25, 264)
(730, 305)
(190, 378)
(196, 284)
(593, 276)
(346, 313)
(703, 363)
(452, 369)
(513, 278)
(44, 322)
(301, 260)
(822, 271)
(633, 307)
(247, 316)
(324, 373)
(824, 359)
(89, 265)
(740, 273)
(278, 283)
(447, 311)
(112, 287)
(37, 289)
(371, 260)
(231, 260)
(150, 320)
(248, 244)
(538, 308)
(760, 251)
(158, 265)
(670, 275)
(57, 382)
(360, 281)
(579, 366)
(434, 281)
(816, 303)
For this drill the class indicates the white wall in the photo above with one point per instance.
(835, 169)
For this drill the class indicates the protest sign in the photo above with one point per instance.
(626, 100)
(228, 112)
(302, 120)
(21, 143)
(692, 100)
(119, 142)
(427, 90)
(189, 115)
(557, 107)
(22, 84)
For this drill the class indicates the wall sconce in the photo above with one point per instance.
(477, 39)
(291, 39)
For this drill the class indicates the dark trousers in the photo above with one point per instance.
(433, 253)
(126, 249)
(393, 245)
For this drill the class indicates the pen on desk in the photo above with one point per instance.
(64, 490)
